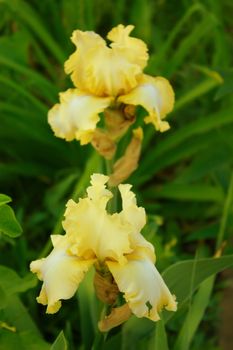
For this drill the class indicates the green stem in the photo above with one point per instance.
(109, 166)
(226, 209)
(98, 342)
(112, 206)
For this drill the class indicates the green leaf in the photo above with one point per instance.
(195, 315)
(185, 192)
(3, 297)
(196, 92)
(24, 334)
(12, 283)
(23, 92)
(60, 342)
(4, 199)
(189, 42)
(8, 223)
(42, 83)
(88, 309)
(184, 277)
(182, 143)
(206, 232)
(167, 44)
(159, 342)
(26, 14)
(113, 343)
(227, 86)
(134, 330)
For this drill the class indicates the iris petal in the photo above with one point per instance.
(143, 287)
(156, 96)
(106, 71)
(61, 274)
(133, 48)
(94, 230)
(76, 116)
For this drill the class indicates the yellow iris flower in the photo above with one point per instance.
(106, 76)
(112, 241)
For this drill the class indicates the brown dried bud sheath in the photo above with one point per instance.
(127, 164)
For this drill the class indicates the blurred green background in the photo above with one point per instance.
(184, 180)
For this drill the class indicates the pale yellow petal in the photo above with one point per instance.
(76, 116)
(106, 71)
(143, 287)
(61, 274)
(130, 211)
(109, 73)
(76, 65)
(93, 229)
(136, 217)
(156, 96)
(134, 49)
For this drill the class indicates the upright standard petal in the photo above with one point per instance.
(76, 65)
(136, 217)
(60, 272)
(106, 71)
(133, 48)
(143, 287)
(130, 211)
(156, 96)
(76, 116)
(96, 232)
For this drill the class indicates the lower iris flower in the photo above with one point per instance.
(113, 244)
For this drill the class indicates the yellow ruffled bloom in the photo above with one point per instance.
(106, 71)
(108, 75)
(77, 114)
(110, 241)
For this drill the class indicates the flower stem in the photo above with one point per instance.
(99, 339)
(109, 166)
(112, 206)
(225, 214)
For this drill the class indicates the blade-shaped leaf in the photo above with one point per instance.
(184, 277)
(4, 199)
(12, 283)
(8, 223)
(22, 333)
(60, 342)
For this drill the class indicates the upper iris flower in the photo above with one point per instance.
(106, 76)
(106, 71)
(110, 242)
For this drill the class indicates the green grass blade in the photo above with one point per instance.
(21, 91)
(60, 342)
(184, 192)
(195, 315)
(26, 13)
(159, 340)
(160, 55)
(182, 282)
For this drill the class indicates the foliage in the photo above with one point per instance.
(184, 180)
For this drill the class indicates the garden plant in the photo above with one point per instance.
(116, 174)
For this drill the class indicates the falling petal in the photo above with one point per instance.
(76, 116)
(60, 272)
(143, 287)
(156, 96)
